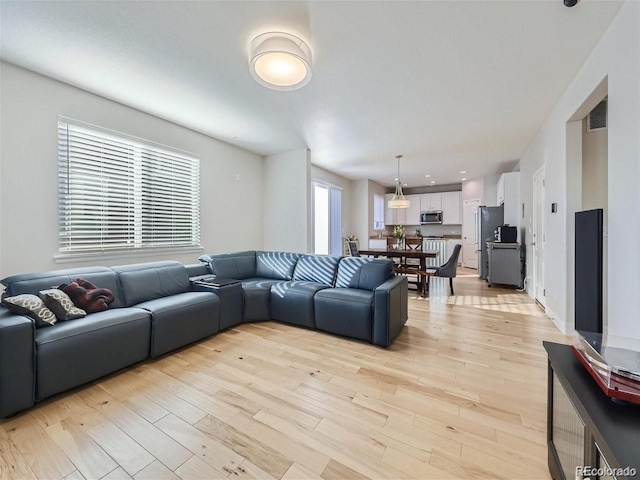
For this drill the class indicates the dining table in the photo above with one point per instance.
(401, 253)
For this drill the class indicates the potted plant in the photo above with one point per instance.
(398, 233)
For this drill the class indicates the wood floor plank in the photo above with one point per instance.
(197, 469)
(412, 467)
(244, 445)
(156, 471)
(298, 472)
(216, 454)
(90, 460)
(286, 446)
(337, 471)
(12, 464)
(122, 448)
(117, 474)
(156, 442)
(42, 454)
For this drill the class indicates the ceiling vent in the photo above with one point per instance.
(598, 117)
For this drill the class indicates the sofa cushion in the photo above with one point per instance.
(345, 311)
(256, 294)
(61, 305)
(33, 283)
(73, 353)
(292, 302)
(316, 268)
(363, 272)
(276, 265)
(181, 319)
(148, 281)
(238, 265)
(30, 306)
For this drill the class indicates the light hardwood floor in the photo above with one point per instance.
(460, 394)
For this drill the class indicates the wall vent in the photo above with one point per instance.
(598, 117)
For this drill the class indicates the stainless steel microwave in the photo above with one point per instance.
(427, 218)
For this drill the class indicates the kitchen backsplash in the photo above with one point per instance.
(427, 230)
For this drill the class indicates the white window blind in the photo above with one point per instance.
(118, 194)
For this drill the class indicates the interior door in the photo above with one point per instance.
(470, 233)
(538, 237)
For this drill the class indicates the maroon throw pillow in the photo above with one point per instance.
(87, 296)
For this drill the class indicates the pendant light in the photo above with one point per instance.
(398, 200)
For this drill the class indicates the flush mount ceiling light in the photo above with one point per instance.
(280, 61)
(398, 200)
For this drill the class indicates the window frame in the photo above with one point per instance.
(139, 249)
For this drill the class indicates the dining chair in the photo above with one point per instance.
(352, 248)
(448, 270)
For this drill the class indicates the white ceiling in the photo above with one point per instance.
(452, 85)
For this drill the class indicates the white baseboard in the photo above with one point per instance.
(565, 327)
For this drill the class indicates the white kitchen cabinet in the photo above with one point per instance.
(412, 215)
(451, 208)
(430, 202)
(393, 216)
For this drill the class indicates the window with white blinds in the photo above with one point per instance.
(118, 194)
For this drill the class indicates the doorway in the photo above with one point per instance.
(538, 237)
(470, 233)
(327, 219)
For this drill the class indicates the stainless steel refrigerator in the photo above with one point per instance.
(489, 219)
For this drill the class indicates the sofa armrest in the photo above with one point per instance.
(390, 307)
(17, 363)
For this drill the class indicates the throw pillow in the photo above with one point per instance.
(61, 305)
(87, 296)
(30, 306)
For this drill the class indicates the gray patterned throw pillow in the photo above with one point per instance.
(30, 306)
(61, 305)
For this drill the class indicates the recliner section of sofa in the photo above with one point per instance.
(292, 301)
(366, 302)
(178, 315)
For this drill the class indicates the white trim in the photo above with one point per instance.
(534, 266)
(560, 323)
(146, 252)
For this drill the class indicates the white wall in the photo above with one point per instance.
(30, 106)
(594, 169)
(615, 58)
(287, 201)
(360, 211)
(324, 176)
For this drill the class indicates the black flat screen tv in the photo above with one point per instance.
(588, 271)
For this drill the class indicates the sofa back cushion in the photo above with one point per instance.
(147, 281)
(276, 265)
(363, 273)
(239, 265)
(316, 268)
(33, 283)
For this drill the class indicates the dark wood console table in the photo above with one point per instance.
(584, 426)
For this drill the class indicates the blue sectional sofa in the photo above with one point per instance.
(162, 306)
